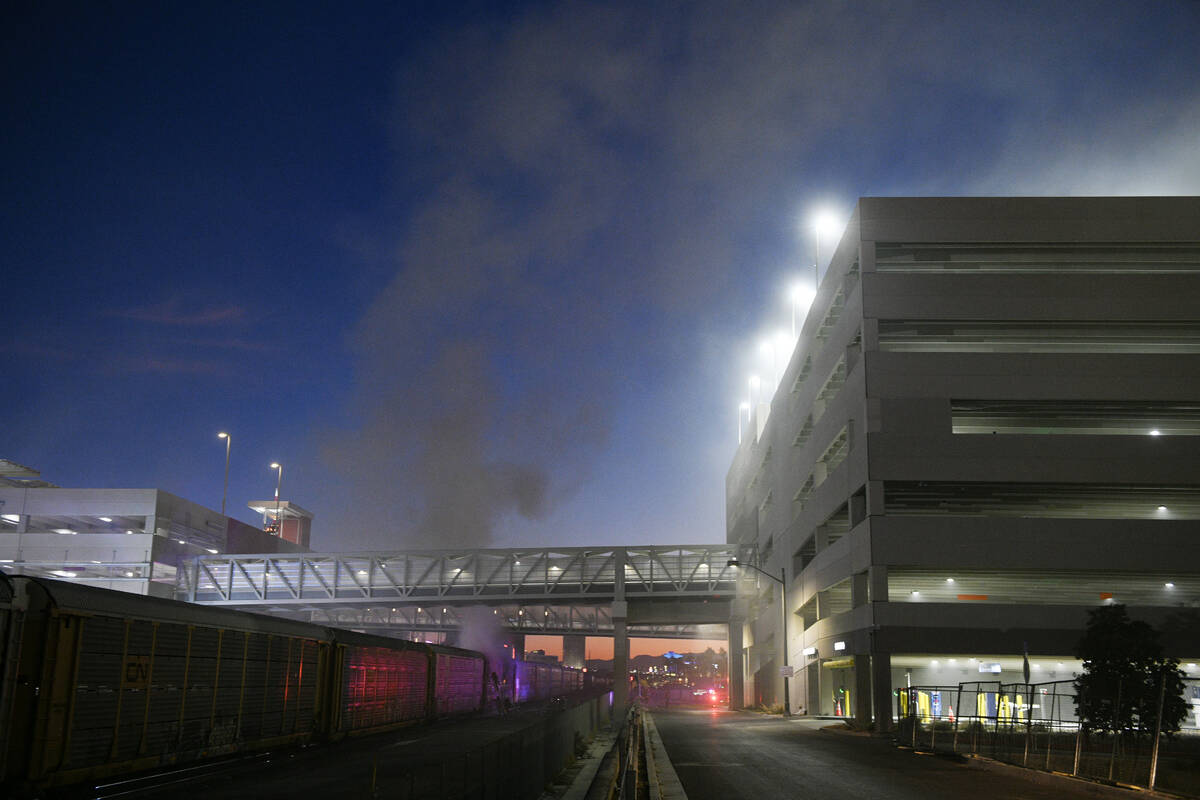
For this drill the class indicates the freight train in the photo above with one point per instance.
(98, 684)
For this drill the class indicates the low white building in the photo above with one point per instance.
(128, 539)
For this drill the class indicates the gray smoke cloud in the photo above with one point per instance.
(581, 199)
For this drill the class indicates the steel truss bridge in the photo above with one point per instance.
(673, 591)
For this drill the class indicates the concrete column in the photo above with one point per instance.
(620, 660)
(875, 499)
(574, 651)
(877, 578)
(858, 589)
(881, 679)
(858, 508)
(821, 538)
(737, 656)
(813, 674)
(862, 690)
(516, 643)
(22, 528)
(620, 612)
(822, 605)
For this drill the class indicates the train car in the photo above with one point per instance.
(459, 680)
(97, 683)
(8, 671)
(537, 680)
(106, 683)
(378, 683)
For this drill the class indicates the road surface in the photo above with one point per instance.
(731, 755)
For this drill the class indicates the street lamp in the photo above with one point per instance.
(225, 493)
(782, 581)
(278, 483)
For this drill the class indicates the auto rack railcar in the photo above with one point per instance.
(97, 683)
(107, 683)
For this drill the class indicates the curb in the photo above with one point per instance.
(664, 783)
(582, 782)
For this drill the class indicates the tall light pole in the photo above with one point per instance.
(824, 222)
(225, 492)
(278, 482)
(798, 294)
(782, 581)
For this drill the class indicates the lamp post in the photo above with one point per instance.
(225, 492)
(782, 581)
(824, 222)
(278, 482)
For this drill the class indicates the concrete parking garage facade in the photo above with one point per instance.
(987, 427)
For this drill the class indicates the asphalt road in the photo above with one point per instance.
(729, 755)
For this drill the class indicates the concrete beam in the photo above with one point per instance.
(678, 612)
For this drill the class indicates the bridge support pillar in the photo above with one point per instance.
(862, 691)
(737, 657)
(574, 651)
(513, 643)
(620, 659)
(881, 680)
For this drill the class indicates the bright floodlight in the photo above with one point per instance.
(825, 223)
(222, 435)
(741, 407)
(274, 465)
(801, 295)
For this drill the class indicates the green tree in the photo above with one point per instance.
(1123, 664)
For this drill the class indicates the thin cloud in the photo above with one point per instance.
(173, 312)
(165, 365)
(242, 345)
(37, 350)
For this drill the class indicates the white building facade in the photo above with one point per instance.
(990, 424)
(132, 540)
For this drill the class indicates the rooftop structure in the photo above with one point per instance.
(286, 520)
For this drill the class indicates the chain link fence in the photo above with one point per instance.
(1035, 725)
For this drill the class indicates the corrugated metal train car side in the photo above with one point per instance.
(458, 681)
(10, 641)
(378, 683)
(132, 683)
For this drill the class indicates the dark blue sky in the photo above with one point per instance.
(496, 275)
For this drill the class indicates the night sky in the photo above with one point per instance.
(483, 275)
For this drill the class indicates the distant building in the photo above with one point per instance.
(541, 656)
(988, 426)
(133, 540)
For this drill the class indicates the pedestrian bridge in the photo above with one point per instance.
(671, 590)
